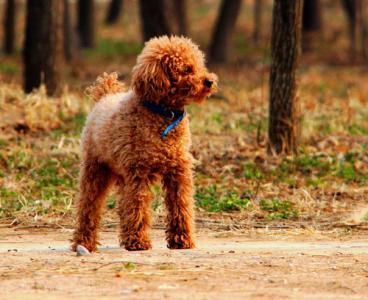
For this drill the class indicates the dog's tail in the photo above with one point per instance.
(105, 84)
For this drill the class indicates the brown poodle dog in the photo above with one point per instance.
(139, 137)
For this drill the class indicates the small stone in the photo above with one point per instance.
(82, 251)
(167, 287)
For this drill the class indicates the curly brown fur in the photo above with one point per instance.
(121, 145)
(104, 85)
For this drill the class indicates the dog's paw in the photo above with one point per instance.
(91, 246)
(137, 245)
(180, 241)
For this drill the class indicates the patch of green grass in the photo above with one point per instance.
(252, 171)
(3, 143)
(37, 182)
(356, 129)
(323, 125)
(51, 173)
(317, 170)
(211, 200)
(111, 202)
(365, 217)
(237, 124)
(278, 209)
(233, 202)
(72, 126)
(250, 126)
(9, 200)
(110, 49)
(304, 165)
(241, 44)
(18, 161)
(157, 198)
(207, 198)
(316, 182)
(308, 164)
(217, 117)
(9, 68)
(346, 169)
(347, 172)
(323, 86)
(202, 10)
(53, 179)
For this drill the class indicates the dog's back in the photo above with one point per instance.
(109, 94)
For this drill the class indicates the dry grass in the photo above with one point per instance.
(326, 182)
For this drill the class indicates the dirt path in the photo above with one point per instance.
(225, 265)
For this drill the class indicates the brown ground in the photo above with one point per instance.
(257, 264)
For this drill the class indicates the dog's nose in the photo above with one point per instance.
(207, 83)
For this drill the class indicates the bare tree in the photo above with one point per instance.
(283, 130)
(221, 38)
(9, 26)
(86, 23)
(357, 27)
(312, 22)
(180, 9)
(153, 18)
(114, 11)
(258, 6)
(68, 32)
(43, 45)
(312, 19)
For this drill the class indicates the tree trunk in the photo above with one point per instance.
(114, 11)
(258, 5)
(221, 38)
(312, 20)
(354, 10)
(180, 9)
(68, 32)
(153, 18)
(86, 23)
(9, 26)
(365, 30)
(43, 45)
(283, 131)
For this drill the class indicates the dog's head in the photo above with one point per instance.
(171, 71)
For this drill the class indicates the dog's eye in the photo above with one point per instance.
(188, 70)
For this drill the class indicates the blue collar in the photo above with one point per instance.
(175, 115)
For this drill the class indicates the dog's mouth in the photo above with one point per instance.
(192, 89)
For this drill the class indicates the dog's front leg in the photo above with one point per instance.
(134, 212)
(178, 186)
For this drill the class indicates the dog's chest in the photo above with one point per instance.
(167, 151)
(133, 143)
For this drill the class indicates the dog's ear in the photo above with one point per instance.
(149, 79)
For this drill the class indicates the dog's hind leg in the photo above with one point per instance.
(178, 186)
(95, 179)
(134, 212)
